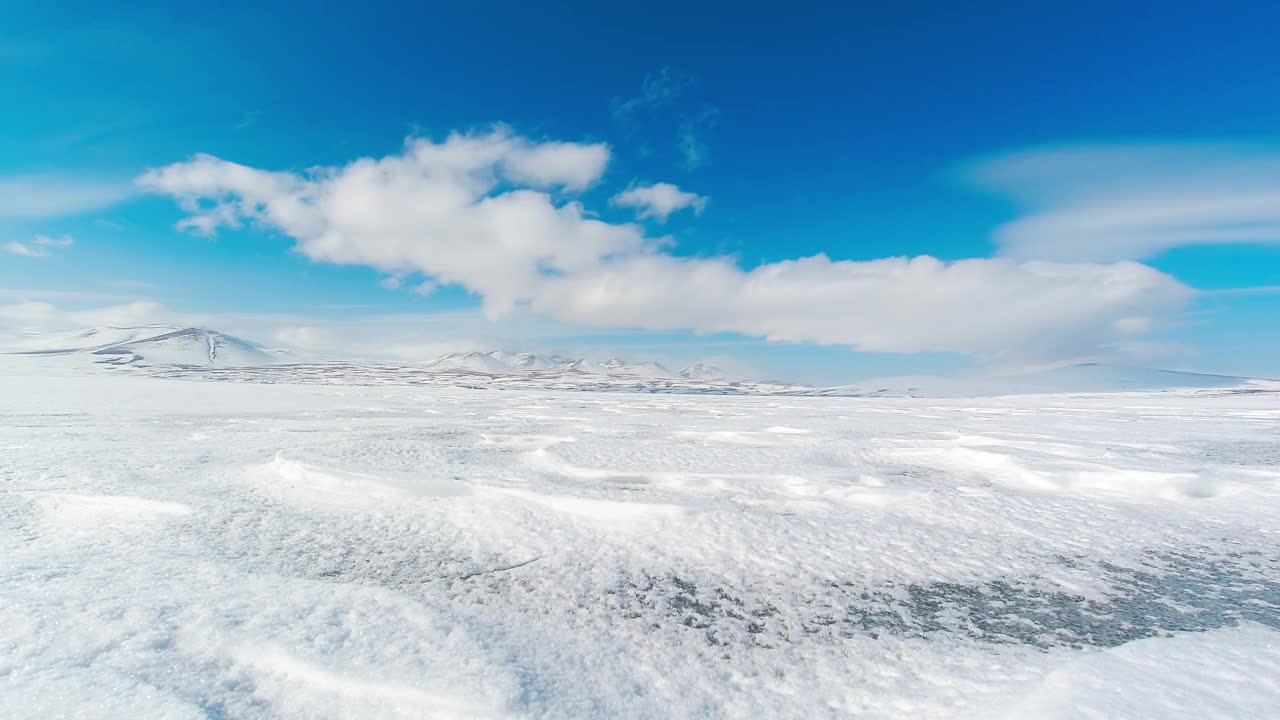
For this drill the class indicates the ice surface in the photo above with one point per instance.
(174, 548)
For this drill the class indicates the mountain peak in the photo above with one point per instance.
(700, 371)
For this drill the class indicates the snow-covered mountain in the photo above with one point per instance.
(478, 362)
(502, 362)
(148, 345)
(700, 371)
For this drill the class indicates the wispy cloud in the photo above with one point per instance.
(18, 248)
(43, 316)
(40, 247)
(1254, 290)
(668, 103)
(131, 284)
(694, 152)
(30, 294)
(45, 196)
(248, 119)
(1134, 201)
(657, 90)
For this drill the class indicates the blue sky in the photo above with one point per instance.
(992, 130)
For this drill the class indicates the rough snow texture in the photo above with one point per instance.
(180, 549)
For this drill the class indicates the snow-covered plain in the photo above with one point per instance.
(174, 548)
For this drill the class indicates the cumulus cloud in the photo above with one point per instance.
(495, 213)
(659, 200)
(474, 209)
(1130, 202)
(40, 247)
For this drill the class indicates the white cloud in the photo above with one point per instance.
(306, 337)
(25, 250)
(55, 242)
(659, 200)
(992, 308)
(391, 282)
(476, 210)
(40, 247)
(473, 210)
(43, 316)
(1129, 202)
(28, 314)
(547, 164)
(139, 312)
(42, 196)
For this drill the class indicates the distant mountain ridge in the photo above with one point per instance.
(498, 361)
(205, 347)
(175, 351)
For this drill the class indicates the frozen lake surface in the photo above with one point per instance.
(180, 549)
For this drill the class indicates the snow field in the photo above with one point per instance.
(198, 549)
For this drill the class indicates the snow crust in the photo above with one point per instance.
(174, 548)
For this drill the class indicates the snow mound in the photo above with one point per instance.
(1222, 673)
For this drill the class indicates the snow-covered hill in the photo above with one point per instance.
(700, 371)
(150, 345)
